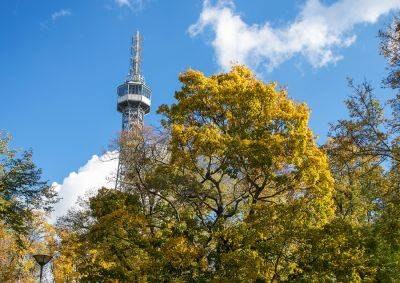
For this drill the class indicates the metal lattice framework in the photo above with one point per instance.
(132, 115)
(134, 99)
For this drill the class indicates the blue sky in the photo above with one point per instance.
(61, 61)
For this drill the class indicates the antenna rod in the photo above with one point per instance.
(137, 53)
(136, 58)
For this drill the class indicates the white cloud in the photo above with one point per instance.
(316, 33)
(122, 3)
(96, 173)
(132, 4)
(59, 14)
(54, 17)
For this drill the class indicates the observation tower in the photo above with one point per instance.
(134, 99)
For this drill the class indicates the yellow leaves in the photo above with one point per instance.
(180, 252)
(256, 129)
(237, 104)
(244, 265)
(209, 138)
(182, 135)
(243, 191)
(16, 262)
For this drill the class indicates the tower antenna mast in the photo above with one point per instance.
(136, 58)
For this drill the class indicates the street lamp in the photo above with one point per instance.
(42, 260)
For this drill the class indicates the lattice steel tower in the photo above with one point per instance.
(134, 98)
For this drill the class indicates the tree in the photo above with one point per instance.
(117, 233)
(251, 157)
(24, 199)
(390, 49)
(228, 190)
(364, 154)
(16, 250)
(21, 189)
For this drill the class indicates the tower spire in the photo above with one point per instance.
(136, 58)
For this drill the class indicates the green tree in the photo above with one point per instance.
(364, 156)
(21, 189)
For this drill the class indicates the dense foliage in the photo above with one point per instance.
(24, 201)
(21, 189)
(232, 192)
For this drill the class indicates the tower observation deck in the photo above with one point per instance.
(134, 100)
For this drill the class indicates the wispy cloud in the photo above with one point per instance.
(122, 3)
(55, 17)
(59, 14)
(131, 4)
(317, 33)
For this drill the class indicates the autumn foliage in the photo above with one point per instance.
(230, 189)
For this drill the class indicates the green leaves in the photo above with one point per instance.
(21, 189)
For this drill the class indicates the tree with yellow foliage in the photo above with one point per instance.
(227, 191)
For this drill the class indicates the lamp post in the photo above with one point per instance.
(42, 260)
